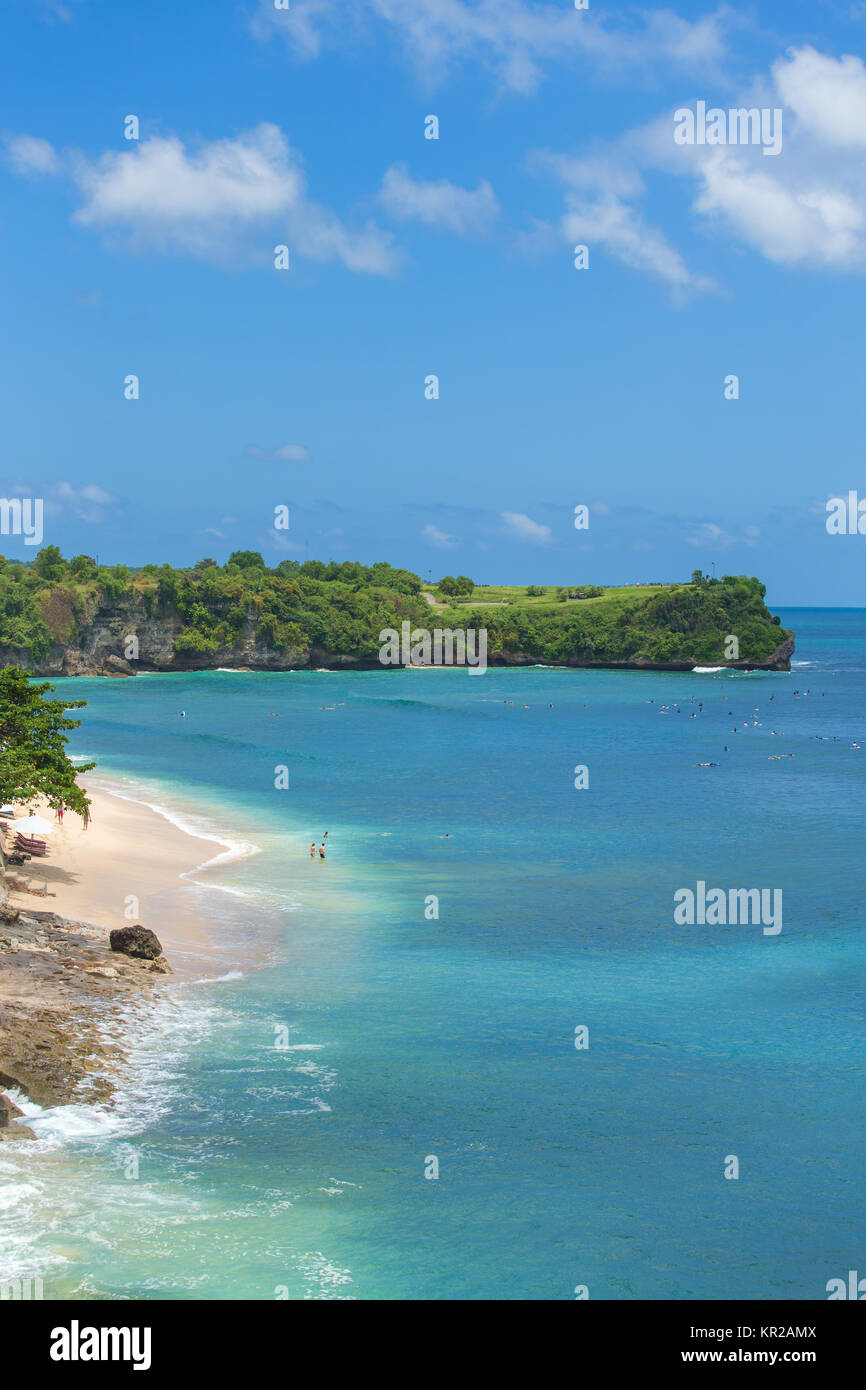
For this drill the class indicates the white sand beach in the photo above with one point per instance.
(128, 851)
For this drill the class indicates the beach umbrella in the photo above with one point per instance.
(34, 825)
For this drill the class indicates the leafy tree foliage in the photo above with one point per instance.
(33, 758)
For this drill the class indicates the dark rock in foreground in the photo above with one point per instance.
(136, 941)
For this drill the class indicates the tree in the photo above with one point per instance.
(448, 585)
(33, 758)
(82, 567)
(50, 564)
(464, 585)
(697, 577)
(246, 559)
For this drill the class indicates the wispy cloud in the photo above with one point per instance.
(31, 155)
(440, 539)
(278, 540)
(464, 211)
(284, 453)
(86, 503)
(523, 528)
(706, 535)
(518, 40)
(600, 212)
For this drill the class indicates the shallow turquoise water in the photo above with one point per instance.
(301, 1171)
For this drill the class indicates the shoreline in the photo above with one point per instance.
(61, 984)
(134, 864)
(778, 661)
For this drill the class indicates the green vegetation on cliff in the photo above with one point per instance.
(296, 611)
(659, 624)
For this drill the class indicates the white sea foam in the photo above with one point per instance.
(707, 670)
(48, 1184)
(198, 828)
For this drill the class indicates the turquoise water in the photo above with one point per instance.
(265, 1172)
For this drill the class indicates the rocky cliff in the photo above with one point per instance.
(121, 637)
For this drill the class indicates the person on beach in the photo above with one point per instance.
(322, 850)
(313, 850)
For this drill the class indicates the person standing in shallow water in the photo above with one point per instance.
(313, 850)
(322, 850)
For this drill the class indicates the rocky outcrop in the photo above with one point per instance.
(59, 985)
(123, 638)
(136, 941)
(9, 1113)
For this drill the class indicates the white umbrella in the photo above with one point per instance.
(34, 825)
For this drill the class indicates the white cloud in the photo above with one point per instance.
(85, 504)
(515, 38)
(441, 204)
(523, 528)
(599, 214)
(828, 95)
(285, 453)
(91, 493)
(791, 223)
(278, 540)
(706, 535)
(438, 538)
(611, 222)
(804, 208)
(27, 154)
(215, 201)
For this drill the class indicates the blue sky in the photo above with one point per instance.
(411, 257)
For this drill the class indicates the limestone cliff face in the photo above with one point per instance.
(104, 643)
(103, 646)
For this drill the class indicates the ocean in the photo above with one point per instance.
(390, 1102)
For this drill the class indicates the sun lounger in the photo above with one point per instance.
(29, 846)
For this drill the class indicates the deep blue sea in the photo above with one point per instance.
(284, 1121)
